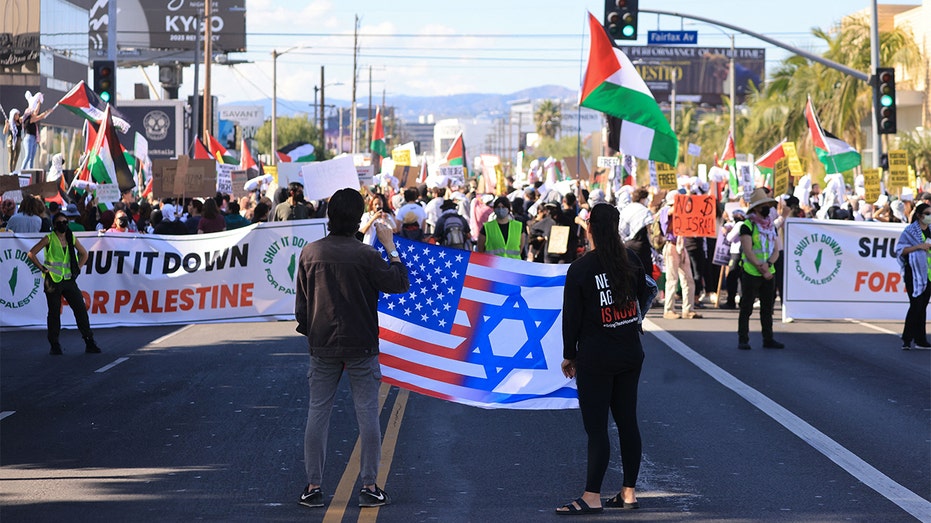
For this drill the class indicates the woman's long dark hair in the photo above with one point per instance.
(916, 215)
(602, 225)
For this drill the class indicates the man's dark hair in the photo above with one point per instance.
(295, 186)
(570, 199)
(197, 205)
(233, 207)
(345, 212)
(411, 194)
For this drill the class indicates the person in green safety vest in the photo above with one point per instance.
(64, 257)
(760, 246)
(502, 236)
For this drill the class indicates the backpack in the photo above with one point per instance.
(453, 234)
(657, 236)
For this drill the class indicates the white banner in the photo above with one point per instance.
(139, 279)
(837, 269)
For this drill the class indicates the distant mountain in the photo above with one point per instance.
(409, 108)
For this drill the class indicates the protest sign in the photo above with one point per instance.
(666, 176)
(46, 189)
(898, 169)
(401, 157)
(608, 161)
(406, 175)
(454, 174)
(238, 179)
(225, 178)
(694, 216)
(781, 176)
(694, 149)
(108, 193)
(795, 165)
(322, 179)
(871, 185)
(366, 174)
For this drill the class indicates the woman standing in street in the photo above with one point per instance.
(64, 257)
(913, 252)
(605, 292)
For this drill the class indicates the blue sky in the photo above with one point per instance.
(424, 47)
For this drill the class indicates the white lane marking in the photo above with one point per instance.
(874, 327)
(105, 368)
(7, 414)
(169, 335)
(863, 471)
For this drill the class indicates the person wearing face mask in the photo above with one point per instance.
(64, 257)
(502, 236)
(120, 223)
(913, 253)
(760, 246)
(294, 208)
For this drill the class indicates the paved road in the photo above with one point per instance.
(205, 422)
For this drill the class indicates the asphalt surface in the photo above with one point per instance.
(206, 422)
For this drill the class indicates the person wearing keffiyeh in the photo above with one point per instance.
(913, 253)
(13, 129)
(760, 248)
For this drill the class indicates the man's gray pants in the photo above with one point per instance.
(364, 380)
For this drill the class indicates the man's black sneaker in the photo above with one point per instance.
(743, 346)
(373, 498)
(773, 344)
(311, 497)
(55, 350)
(90, 347)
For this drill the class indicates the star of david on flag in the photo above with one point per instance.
(476, 329)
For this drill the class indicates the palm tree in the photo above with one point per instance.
(547, 119)
(843, 103)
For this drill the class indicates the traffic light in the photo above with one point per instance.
(621, 19)
(105, 80)
(884, 100)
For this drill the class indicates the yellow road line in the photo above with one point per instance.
(345, 489)
(388, 445)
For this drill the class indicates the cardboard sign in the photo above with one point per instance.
(239, 179)
(46, 189)
(694, 216)
(108, 193)
(781, 176)
(406, 175)
(871, 186)
(576, 168)
(322, 179)
(9, 183)
(898, 169)
(559, 239)
(201, 179)
(666, 176)
(181, 169)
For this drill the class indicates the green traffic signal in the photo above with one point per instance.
(885, 100)
(105, 96)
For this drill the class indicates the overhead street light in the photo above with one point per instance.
(275, 55)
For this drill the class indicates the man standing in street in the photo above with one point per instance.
(339, 279)
(294, 208)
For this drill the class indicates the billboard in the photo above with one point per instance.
(160, 122)
(19, 39)
(702, 74)
(155, 30)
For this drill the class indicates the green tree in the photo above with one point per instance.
(918, 146)
(291, 129)
(547, 119)
(843, 103)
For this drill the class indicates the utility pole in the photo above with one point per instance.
(874, 62)
(208, 57)
(195, 109)
(355, 77)
(368, 117)
(322, 85)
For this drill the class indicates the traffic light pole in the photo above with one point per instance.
(859, 75)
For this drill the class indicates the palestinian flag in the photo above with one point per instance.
(456, 154)
(107, 162)
(84, 102)
(245, 159)
(836, 154)
(297, 152)
(767, 163)
(612, 86)
(201, 152)
(378, 145)
(729, 162)
(218, 151)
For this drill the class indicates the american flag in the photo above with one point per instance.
(476, 329)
